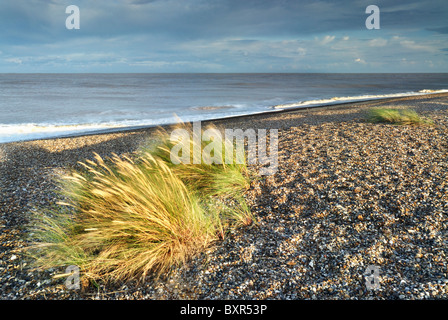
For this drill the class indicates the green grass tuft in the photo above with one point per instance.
(397, 116)
(128, 217)
(210, 179)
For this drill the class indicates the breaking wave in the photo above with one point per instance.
(35, 131)
(338, 100)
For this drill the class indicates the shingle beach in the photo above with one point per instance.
(348, 195)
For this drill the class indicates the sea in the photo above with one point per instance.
(40, 106)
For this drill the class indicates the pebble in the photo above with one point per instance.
(347, 195)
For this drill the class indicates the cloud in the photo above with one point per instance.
(327, 39)
(177, 19)
(411, 44)
(222, 35)
(14, 60)
(443, 30)
(378, 42)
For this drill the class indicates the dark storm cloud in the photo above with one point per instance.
(212, 18)
(218, 32)
(443, 30)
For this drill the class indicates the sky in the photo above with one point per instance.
(223, 36)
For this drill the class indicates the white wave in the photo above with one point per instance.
(336, 100)
(32, 131)
(209, 108)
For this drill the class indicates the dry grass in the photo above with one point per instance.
(209, 178)
(125, 218)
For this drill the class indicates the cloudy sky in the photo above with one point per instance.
(223, 36)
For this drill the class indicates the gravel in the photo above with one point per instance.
(348, 195)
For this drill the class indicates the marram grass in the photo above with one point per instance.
(397, 116)
(125, 218)
(129, 219)
(212, 179)
(217, 183)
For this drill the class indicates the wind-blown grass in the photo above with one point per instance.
(128, 217)
(220, 181)
(214, 178)
(397, 116)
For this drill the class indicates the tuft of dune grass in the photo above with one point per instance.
(211, 179)
(129, 217)
(397, 116)
(219, 183)
(129, 220)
